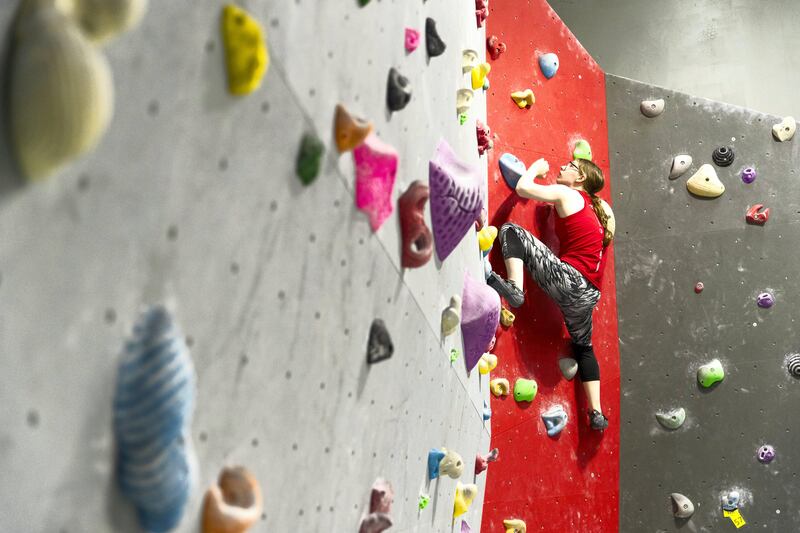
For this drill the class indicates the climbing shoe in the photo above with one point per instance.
(598, 421)
(507, 289)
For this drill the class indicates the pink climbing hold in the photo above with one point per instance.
(484, 137)
(480, 314)
(376, 169)
(457, 193)
(412, 39)
(481, 11)
(482, 463)
(380, 505)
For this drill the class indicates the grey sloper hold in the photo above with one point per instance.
(680, 164)
(682, 507)
(652, 108)
(398, 90)
(433, 43)
(569, 367)
(672, 419)
(379, 345)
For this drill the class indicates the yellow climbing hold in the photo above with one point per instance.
(487, 363)
(464, 496)
(507, 317)
(246, 55)
(524, 98)
(515, 525)
(499, 387)
(486, 237)
(479, 73)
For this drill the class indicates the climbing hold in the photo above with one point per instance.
(486, 84)
(723, 156)
(495, 47)
(363, 3)
(454, 355)
(350, 131)
(784, 130)
(246, 56)
(308, 158)
(793, 365)
(525, 390)
(569, 367)
(652, 108)
(515, 525)
(462, 119)
(766, 454)
(481, 11)
(698, 287)
(680, 164)
(710, 373)
(705, 182)
(480, 314)
(479, 73)
(749, 175)
(555, 420)
(464, 496)
(417, 238)
(463, 101)
(379, 345)
(486, 238)
(451, 316)
(398, 90)
(482, 463)
(380, 505)
(375, 523)
(548, 63)
(376, 169)
(61, 92)
(412, 40)
(499, 387)
(582, 150)
(484, 135)
(433, 43)
(101, 20)
(487, 411)
(469, 60)
(682, 507)
(233, 504)
(423, 502)
(457, 193)
(465, 527)
(765, 300)
(755, 215)
(434, 458)
(524, 98)
(487, 363)
(511, 168)
(451, 464)
(152, 411)
(506, 317)
(672, 419)
(730, 501)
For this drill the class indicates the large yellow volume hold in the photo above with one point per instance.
(246, 55)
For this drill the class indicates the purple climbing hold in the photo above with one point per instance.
(376, 170)
(480, 314)
(511, 168)
(766, 454)
(465, 527)
(457, 193)
(765, 300)
(749, 175)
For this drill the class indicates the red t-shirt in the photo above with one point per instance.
(581, 242)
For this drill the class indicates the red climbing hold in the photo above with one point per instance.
(481, 11)
(417, 238)
(698, 287)
(494, 46)
(484, 137)
(756, 216)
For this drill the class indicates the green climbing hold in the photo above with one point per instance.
(309, 157)
(710, 373)
(362, 3)
(582, 150)
(424, 500)
(462, 118)
(525, 390)
(453, 355)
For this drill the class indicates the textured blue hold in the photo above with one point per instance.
(555, 419)
(434, 458)
(549, 64)
(511, 168)
(152, 411)
(487, 411)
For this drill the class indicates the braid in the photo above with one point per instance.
(592, 185)
(603, 217)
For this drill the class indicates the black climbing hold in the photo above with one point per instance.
(308, 159)
(398, 90)
(723, 156)
(379, 347)
(793, 365)
(433, 43)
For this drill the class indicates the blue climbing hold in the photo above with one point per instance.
(434, 458)
(549, 64)
(555, 419)
(152, 410)
(511, 168)
(487, 411)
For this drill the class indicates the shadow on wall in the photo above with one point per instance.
(10, 176)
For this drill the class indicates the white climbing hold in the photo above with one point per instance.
(451, 316)
(652, 108)
(469, 60)
(680, 165)
(682, 507)
(705, 183)
(784, 130)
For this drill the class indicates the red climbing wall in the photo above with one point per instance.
(568, 483)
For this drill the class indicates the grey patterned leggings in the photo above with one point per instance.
(575, 296)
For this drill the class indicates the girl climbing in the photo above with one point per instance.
(585, 227)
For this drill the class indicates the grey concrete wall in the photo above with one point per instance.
(735, 51)
(191, 199)
(668, 240)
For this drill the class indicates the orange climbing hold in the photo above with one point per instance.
(350, 131)
(233, 504)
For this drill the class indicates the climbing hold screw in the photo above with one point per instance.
(723, 156)
(765, 300)
(766, 454)
(749, 175)
(710, 373)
